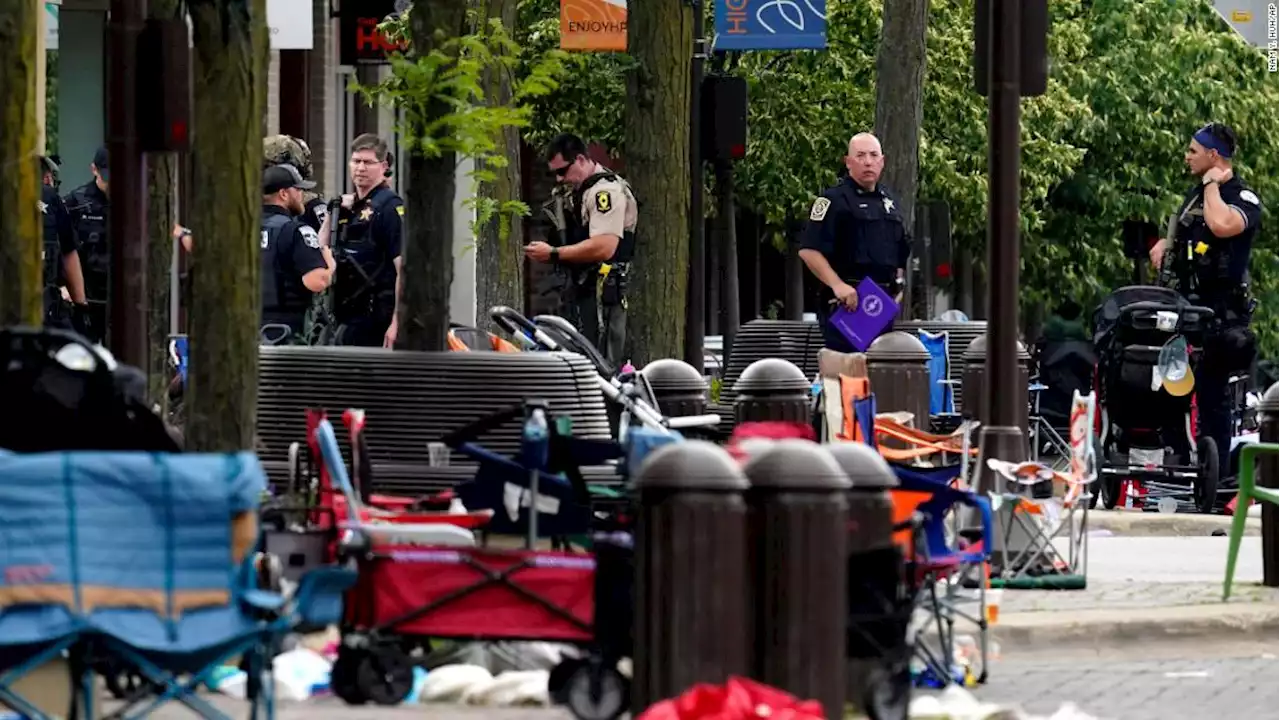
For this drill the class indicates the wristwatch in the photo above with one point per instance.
(555, 255)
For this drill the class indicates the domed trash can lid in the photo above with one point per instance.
(864, 467)
(691, 465)
(899, 346)
(671, 374)
(1270, 403)
(793, 464)
(769, 375)
(977, 350)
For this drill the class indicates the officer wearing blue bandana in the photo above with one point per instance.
(1216, 225)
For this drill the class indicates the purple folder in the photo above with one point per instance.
(876, 310)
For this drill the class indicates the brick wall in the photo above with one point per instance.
(323, 140)
(272, 119)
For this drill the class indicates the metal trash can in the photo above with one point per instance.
(879, 606)
(772, 389)
(692, 592)
(678, 388)
(973, 386)
(799, 514)
(898, 368)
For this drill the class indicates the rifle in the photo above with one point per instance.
(1167, 277)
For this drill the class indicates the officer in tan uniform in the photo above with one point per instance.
(597, 230)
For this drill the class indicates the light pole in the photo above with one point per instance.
(695, 308)
(1002, 438)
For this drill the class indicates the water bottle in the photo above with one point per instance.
(535, 439)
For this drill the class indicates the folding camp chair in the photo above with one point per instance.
(150, 556)
(1029, 554)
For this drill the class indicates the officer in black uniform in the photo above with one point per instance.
(64, 301)
(90, 211)
(1208, 262)
(856, 231)
(295, 264)
(366, 288)
(594, 215)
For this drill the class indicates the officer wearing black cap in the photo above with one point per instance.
(1208, 262)
(295, 263)
(90, 210)
(64, 301)
(856, 231)
(366, 288)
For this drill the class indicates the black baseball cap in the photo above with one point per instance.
(283, 177)
(102, 162)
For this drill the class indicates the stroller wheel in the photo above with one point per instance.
(342, 677)
(1109, 491)
(597, 692)
(385, 675)
(1206, 485)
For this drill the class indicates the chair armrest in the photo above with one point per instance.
(983, 506)
(318, 599)
(263, 601)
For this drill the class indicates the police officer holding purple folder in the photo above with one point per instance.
(855, 231)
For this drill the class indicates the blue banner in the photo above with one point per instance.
(771, 24)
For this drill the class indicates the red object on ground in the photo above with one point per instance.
(767, 431)
(738, 699)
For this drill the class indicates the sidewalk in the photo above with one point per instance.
(1131, 523)
(1145, 589)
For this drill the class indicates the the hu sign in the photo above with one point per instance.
(593, 25)
(359, 41)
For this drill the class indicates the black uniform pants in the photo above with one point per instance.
(1215, 401)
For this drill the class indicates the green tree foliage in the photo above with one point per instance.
(1131, 80)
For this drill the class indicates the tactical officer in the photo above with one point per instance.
(366, 289)
(294, 262)
(64, 302)
(856, 231)
(597, 227)
(90, 211)
(1208, 262)
(287, 150)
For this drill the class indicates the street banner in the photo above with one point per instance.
(593, 25)
(771, 24)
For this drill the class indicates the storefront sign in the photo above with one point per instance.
(359, 41)
(290, 23)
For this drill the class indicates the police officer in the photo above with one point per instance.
(90, 212)
(287, 150)
(597, 244)
(856, 231)
(366, 290)
(1213, 237)
(64, 301)
(295, 264)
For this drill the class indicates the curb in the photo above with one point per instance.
(1101, 628)
(1144, 524)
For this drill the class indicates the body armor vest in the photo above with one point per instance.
(366, 280)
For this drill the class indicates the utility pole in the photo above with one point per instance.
(1001, 438)
(128, 191)
(695, 308)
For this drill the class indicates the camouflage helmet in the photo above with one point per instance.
(286, 150)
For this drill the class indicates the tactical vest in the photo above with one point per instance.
(273, 228)
(366, 283)
(91, 221)
(51, 252)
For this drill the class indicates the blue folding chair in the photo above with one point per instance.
(148, 561)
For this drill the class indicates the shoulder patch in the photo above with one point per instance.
(309, 236)
(266, 240)
(1249, 197)
(321, 211)
(400, 210)
(604, 201)
(820, 208)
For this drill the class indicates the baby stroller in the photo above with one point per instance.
(1150, 435)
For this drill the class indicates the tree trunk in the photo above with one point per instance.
(900, 63)
(229, 90)
(21, 299)
(162, 178)
(660, 39)
(499, 252)
(428, 232)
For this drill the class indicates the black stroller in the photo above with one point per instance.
(1150, 435)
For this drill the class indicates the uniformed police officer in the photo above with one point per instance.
(288, 150)
(64, 301)
(856, 231)
(90, 211)
(1217, 222)
(295, 264)
(597, 244)
(366, 289)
